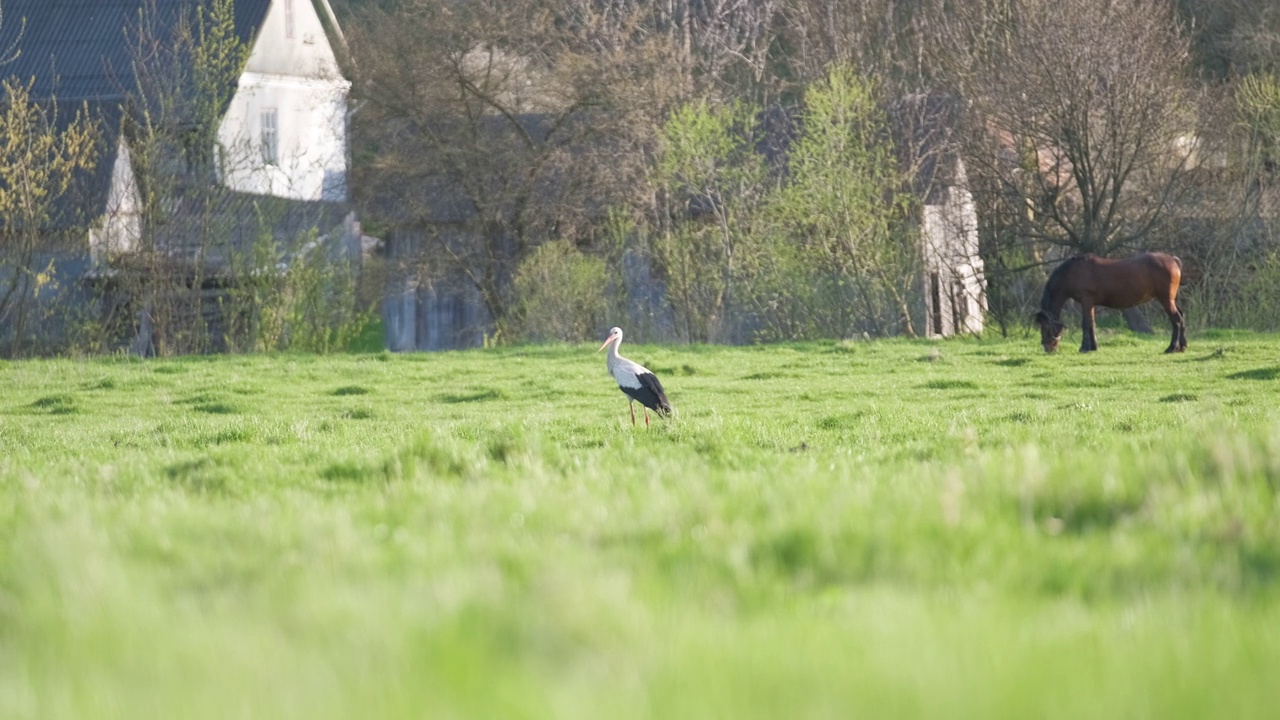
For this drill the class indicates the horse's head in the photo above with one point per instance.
(1050, 330)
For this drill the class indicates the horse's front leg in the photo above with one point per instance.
(1089, 342)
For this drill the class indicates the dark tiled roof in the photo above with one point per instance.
(80, 49)
(231, 223)
(80, 53)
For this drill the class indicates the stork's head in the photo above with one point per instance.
(615, 335)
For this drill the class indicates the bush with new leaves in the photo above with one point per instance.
(560, 292)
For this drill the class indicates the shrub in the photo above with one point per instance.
(559, 291)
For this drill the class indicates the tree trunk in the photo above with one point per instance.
(1136, 321)
(143, 345)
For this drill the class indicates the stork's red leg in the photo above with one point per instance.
(632, 405)
(646, 416)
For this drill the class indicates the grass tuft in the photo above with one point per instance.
(934, 355)
(216, 408)
(349, 471)
(202, 475)
(57, 405)
(950, 385)
(1270, 373)
(483, 395)
(768, 375)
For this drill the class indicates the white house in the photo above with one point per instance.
(282, 134)
(285, 132)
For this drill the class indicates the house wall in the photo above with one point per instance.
(446, 315)
(298, 79)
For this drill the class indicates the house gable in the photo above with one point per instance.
(120, 227)
(285, 130)
(292, 41)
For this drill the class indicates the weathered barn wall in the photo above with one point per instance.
(955, 300)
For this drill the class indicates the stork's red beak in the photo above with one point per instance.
(606, 343)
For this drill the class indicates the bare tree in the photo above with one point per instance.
(882, 38)
(1082, 120)
(492, 127)
(1222, 227)
(1084, 110)
(727, 45)
(11, 51)
(725, 48)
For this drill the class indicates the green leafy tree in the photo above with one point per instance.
(713, 184)
(1258, 103)
(39, 161)
(841, 206)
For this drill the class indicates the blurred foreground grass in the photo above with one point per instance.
(889, 529)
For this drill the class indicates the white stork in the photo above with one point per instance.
(635, 380)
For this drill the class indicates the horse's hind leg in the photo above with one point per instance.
(1182, 329)
(1179, 341)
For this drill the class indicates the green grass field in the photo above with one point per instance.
(890, 529)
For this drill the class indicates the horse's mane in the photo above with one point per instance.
(1055, 280)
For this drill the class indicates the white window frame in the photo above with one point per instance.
(270, 119)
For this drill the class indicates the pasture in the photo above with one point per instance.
(960, 529)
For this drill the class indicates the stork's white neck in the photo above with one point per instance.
(613, 358)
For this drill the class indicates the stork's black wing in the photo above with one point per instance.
(650, 393)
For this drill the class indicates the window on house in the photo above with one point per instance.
(270, 137)
(288, 19)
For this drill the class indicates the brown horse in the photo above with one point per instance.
(1120, 284)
